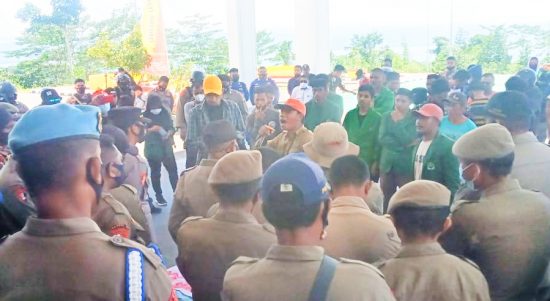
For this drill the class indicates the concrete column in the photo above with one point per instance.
(241, 33)
(311, 34)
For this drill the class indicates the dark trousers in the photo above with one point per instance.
(169, 162)
(191, 153)
(389, 182)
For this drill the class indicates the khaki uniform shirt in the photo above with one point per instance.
(375, 199)
(70, 259)
(288, 273)
(531, 163)
(127, 196)
(112, 217)
(286, 143)
(425, 272)
(137, 171)
(506, 233)
(207, 246)
(355, 232)
(193, 196)
(256, 212)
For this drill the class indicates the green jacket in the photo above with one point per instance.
(397, 141)
(317, 113)
(339, 102)
(384, 102)
(440, 165)
(364, 134)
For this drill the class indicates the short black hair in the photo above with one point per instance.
(262, 67)
(433, 76)
(367, 88)
(415, 222)
(461, 75)
(339, 67)
(236, 193)
(378, 70)
(108, 148)
(476, 86)
(119, 136)
(53, 164)
(153, 99)
(288, 211)
(392, 76)
(164, 78)
(491, 75)
(233, 70)
(516, 83)
(388, 60)
(298, 66)
(224, 77)
(419, 95)
(405, 92)
(440, 86)
(451, 58)
(78, 80)
(348, 170)
(264, 89)
(138, 88)
(498, 167)
(269, 156)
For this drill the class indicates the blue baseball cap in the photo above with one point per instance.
(296, 172)
(55, 122)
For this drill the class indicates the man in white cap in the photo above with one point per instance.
(507, 231)
(207, 246)
(423, 270)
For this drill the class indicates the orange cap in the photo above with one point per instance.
(212, 85)
(430, 110)
(294, 104)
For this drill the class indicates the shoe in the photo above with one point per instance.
(161, 201)
(154, 209)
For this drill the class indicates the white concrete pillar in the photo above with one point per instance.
(311, 34)
(241, 34)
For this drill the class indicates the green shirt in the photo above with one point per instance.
(364, 134)
(319, 112)
(397, 140)
(384, 102)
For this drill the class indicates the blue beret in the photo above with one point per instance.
(55, 122)
(296, 172)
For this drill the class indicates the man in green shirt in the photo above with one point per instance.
(383, 97)
(362, 125)
(324, 106)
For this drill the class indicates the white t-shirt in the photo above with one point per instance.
(419, 158)
(304, 95)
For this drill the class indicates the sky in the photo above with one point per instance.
(399, 21)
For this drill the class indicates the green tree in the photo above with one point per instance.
(284, 54)
(266, 47)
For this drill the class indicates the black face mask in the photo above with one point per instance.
(122, 177)
(4, 138)
(97, 187)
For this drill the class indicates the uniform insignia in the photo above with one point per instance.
(121, 230)
(134, 275)
(431, 166)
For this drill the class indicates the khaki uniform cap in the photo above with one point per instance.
(237, 168)
(421, 193)
(486, 142)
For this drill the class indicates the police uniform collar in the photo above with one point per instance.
(507, 184)
(295, 253)
(232, 216)
(416, 250)
(527, 137)
(59, 227)
(297, 132)
(349, 201)
(208, 162)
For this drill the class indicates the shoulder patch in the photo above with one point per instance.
(130, 188)
(187, 170)
(122, 242)
(244, 260)
(117, 206)
(190, 219)
(269, 228)
(358, 262)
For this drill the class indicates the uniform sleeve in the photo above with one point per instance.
(158, 285)
(179, 211)
(193, 127)
(377, 146)
(451, 170)
(456, 240)
(121, 224)
(180, 110)
(245, 91)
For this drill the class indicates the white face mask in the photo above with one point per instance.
(199, 98)
(156, 111)
(303, 85)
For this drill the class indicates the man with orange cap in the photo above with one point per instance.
(213, 108)
(294, 134)
(433, 157)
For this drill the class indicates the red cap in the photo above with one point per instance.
(430, 110)
(294, 104)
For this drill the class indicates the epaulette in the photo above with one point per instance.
(188, 169)
(131, 188)
(472, 263)
(117, 206)
(358, 262)
(458, 204)
(120, 241)
(191, 218)
(269, 228)
(244, 260)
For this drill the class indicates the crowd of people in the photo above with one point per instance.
(434, 193)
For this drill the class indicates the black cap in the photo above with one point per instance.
(509, 105)
(319, 81)
(218, 132)
(124, 117)
(50, 97)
